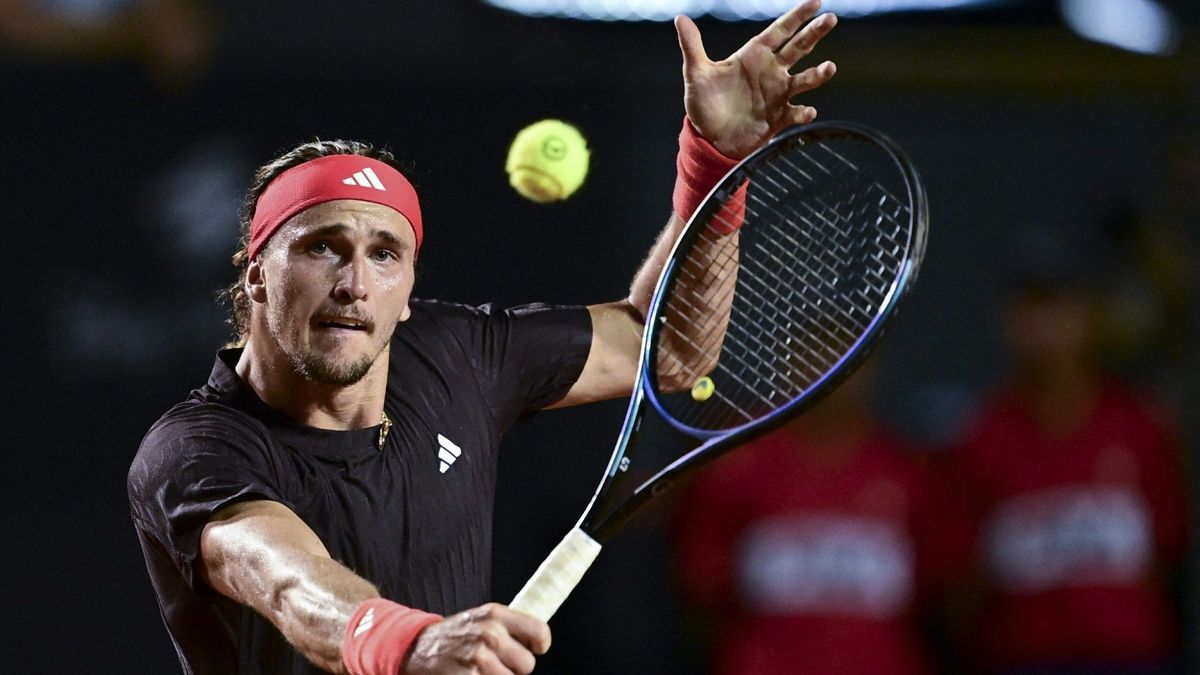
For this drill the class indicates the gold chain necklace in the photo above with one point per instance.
(385, 425)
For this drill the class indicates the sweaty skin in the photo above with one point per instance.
(326, 294)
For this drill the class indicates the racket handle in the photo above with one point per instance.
(558, 575)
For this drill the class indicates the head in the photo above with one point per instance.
(1053, 306)
(325, 271)
(1049, 328)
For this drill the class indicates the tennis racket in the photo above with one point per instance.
(757, 315)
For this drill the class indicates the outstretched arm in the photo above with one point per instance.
(735, 105)
(263, 555)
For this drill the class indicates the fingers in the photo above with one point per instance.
(801, 114)
(511, 637)
(810, 78)
(803, 42)
(783, 28)
(486, 663)
(529, 631)
(492, 640)
(508, 656)
(689, 41)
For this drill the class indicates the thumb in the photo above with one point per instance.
(689, 41)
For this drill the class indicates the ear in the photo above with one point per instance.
(256, 286)
(407, 312)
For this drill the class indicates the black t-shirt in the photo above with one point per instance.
(414, 518)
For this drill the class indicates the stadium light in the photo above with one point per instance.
(1142, 26)
(730, 10)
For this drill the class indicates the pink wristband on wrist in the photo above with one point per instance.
(699, 167)
(379, 636)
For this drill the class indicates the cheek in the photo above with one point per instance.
(390, 281)
(291, 299)
(396, 288)
(282, 294)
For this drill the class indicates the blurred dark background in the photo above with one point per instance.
(131, 130)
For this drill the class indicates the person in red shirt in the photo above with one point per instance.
(807, 548)
(1072, 501)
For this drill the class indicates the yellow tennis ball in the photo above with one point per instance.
(703, 388)
(547, 161)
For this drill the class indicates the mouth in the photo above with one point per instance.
(341, 323)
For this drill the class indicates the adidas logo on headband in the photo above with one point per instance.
(365, 178)
(323, 180)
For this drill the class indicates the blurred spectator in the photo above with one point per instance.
(1074, 510)
(174, 39)
(808, 550)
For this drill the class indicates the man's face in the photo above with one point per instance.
(1051, 328)
(336, 279)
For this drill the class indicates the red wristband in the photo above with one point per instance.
(380, 635)
(699, 167)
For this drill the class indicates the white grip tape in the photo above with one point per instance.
(558, 575)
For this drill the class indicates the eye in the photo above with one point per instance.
(318, 247)
(385, 255)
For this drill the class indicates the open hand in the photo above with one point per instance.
(741, 102)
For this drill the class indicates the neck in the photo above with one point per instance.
(315, 404)
(1059, 397)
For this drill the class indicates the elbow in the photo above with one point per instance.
(634, 308)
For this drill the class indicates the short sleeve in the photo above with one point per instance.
(191, 465)
(530, 356)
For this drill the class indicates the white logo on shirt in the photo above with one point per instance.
(1068, 536)
(826, 563)
(448, 453)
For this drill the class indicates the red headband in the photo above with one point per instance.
(326, 179)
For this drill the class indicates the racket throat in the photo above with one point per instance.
(634, 475)
(558, 575)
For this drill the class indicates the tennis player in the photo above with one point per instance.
(324, 501)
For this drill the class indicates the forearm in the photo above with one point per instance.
(696, 322)
(641, 291)
(312, 609)
(308, 598)
(691, 345)
(261, 555)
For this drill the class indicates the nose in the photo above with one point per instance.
(351, 283)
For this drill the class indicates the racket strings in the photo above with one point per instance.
(714, 333)
(815, 262)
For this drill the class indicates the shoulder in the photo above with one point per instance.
(204, 418)
(447, 314)
(992, 426)
(1133, 406)
(435, 321)
(190, 436)
(441, 310)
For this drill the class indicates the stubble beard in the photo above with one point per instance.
(317, 366)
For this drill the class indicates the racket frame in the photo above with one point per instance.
(564, 567)
(713, 443)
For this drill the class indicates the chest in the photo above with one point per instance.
(858, 490)
(832, 542)
(415, 510)
(1019, 458)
